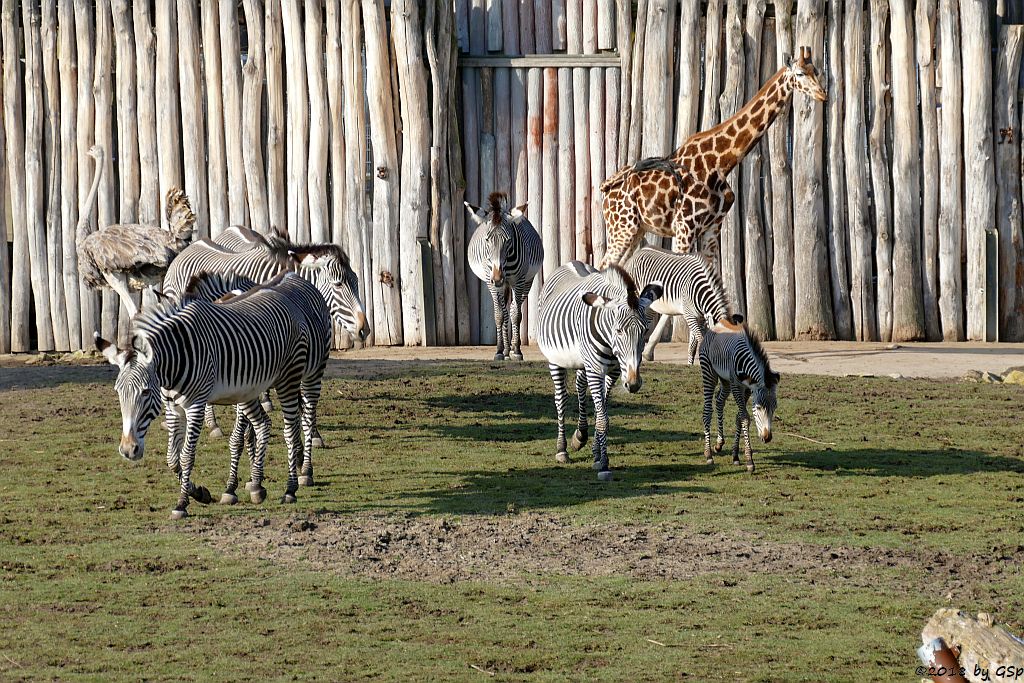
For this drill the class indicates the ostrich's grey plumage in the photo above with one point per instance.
(131, 256)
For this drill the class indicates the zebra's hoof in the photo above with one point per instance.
(228, 499)
(306, 480)
(318, 442)
(499, 356)
(604, 475)
(579, 440)
(718, 445)
(268, 406)
(288, 498)
(562, 457)
(179, 514)
(750, 468)
(202, 495)
(597, 465)
(648, 355)
(709, 460)
(516, 356)
(258, 495)
(216, 433)
(736, 461)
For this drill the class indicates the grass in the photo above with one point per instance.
(97, 584)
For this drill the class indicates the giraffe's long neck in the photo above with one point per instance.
(725, 145)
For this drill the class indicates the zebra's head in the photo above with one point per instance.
(338, 284)
(762, 382)
(138, 391)
(498, 221)
(625, 320)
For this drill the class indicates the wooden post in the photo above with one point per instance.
(105, 138)
(215, 120)
(624, 39)
(783, 277)
(579, 35)
(549, 222)
(1008, 180)
(52, 152)
(5, 265)
(298, 121)
(838, 228)
(252, 117)
(486, 306)
(855, 154)
(457, 188)
(925, 25)
(542, 21)
(414, 212)
(688, 68)
(150, 202)
(192, 128)
(657, 99)
(951, 164)
(510, 26)
(277, 206)
(713, 63)
(335, 107)
(85, 124)
(907, 309)
(880, 184)
(634, 132)
(231, 82)
(471, 121)
(596, 145)
(605, 25)
(558, 24)
(68, 65)
(386, 273)
(566, 170)
(813, 302)
(168, 118)
(612, 103)
(535, 181)
(319, 224)
(730, 102)
(15, 160)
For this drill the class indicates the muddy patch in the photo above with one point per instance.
(443, 550)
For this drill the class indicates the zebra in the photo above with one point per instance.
(692, 290)
(734, 357)
(506, 253)
(326, 265)
(192, 352)
(237, 238)
(593, 322)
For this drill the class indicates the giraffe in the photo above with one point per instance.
(686, 195)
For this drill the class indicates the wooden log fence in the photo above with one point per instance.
(367, 122)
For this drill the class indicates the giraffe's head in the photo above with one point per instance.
(804, 78)
(138, 392)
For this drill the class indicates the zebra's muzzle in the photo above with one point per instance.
(766, 435)
(364, 329)
(130, 449)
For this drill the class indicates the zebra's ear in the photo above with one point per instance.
(518, 212)
(113, 355)
(775, 377)
(596, 300)
(474, 213)
(308, 259)
(651, 293)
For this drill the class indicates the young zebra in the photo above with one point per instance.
(193, 352)
(730, 354)
(506, 253)
(593, 322)
(325, 265)
(692, 290)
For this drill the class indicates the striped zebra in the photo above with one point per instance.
(593, 322)
(237, 238)
(506, 253)
(734, 357)
(692, 289)
(192, 352)
(325, 265)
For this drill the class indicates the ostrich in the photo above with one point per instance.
(131, 256)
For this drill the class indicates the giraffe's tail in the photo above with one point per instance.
(616, 179)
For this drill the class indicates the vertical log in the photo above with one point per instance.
(566, 169)
(503, 132)
(881, 191)
(68, 64)
(768, 69)
(783, 277)
(15, 160)
(657, 83)
(527, 30)
(335, 107)
(471, 119)
(549, 227)
(231, 82)
(355, 149)
(624, 39)
(215, 121)
(298, 120)
(596, 145)
(755, 266)
(150, 207)
(813, 302)
(855, 153)
(713, 62)
(730, 102)
(510, 26)
(192, 128)
(838, 230)
(52, 148)
(581, 36)
(462, 24)
(252, 117)
(1008, 180)
(414, 212)
(494, 27)
(483, 296)
(277, 206)
(104, 95)
(168, 119)
(319, 225)
(907, 309)
(558, 24)
(634, 132)
(5, 265)
(386, 273)
(605, 24)
(688, 68)
(85, 43)
(517, 150)
(457, 188)
(612, 89)
(542, 22)
(925, 25)
(535, 180)
(951, 216)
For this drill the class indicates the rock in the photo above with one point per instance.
(990, 378)
(971, 376)
(42, 359)
(892, 347)
(1014, 377)
(896, 375)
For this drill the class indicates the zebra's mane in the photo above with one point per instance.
(618, 278)
(281, 248)
(496, 207)
(210, 286)
(759, 352)
(151, 319)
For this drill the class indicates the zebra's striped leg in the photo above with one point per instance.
(236, 441)
(310, 392)
(655, 338)
(194, 423)
(614, 372)
(210, 418)
(742, 394)
(500, 314)
(710, 380)
(515, 319)
(561, 400)
(290, 408)
(694, 340)
(596, 380)
(720, 398)
(268, 405)
(175, 436)
(259, 434)
(579, 439)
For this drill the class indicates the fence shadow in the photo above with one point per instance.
(50, 376)
(883, 462)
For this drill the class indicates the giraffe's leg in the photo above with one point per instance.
(515, 319)
(210, 418)
(579, 439)
(236, 441)
(709, 380)
(500, 312)
(655, 337)
(561, 400)
(742, 396)
(720, 398)
(310, 392)
(259, 435)
(596, 380)
(175, 417)
(290, 399)
(194, 423)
